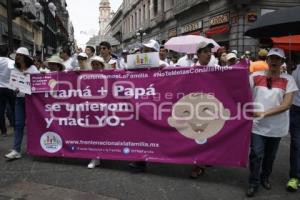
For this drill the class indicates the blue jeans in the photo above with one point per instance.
(295, 142)
(262, 156)
(19, 123)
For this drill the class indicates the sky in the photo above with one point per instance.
(84, 15)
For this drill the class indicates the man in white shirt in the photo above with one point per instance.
(293, 183)
(106, 54)
(90, 52)
(65, 54)
(7, 96)
(186, 61)
(163, 55)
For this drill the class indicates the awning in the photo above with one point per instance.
(291, 43)
(192, 33)
(217, 30)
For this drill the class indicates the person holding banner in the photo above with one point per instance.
(83, 62)
(23, 64)
(273, 93)
(204, 52)
(97, 63)
(293, 183)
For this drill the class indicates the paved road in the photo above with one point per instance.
(33, 178)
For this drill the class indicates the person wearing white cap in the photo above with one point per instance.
(55, 64)
(204, 54)
(231, 59)
(23, 64)
(83, 62)
(153, 46)
(97, 63)
(274, 92)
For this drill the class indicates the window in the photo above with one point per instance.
(155, 7)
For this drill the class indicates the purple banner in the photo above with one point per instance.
(176, 115)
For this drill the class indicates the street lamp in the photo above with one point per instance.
(140, 33)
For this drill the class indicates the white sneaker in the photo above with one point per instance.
(13, 155)
(94, 163)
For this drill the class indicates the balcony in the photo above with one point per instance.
(40, 19)
(181, 6)
(29, 11)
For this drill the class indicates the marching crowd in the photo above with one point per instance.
(271, 84)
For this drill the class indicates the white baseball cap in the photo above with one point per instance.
(231, 56)
(204, 44)
(23, 51)
(276, 52)
(84, 55)
(98, 59)
(152, 44)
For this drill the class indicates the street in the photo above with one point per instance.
(34, 178)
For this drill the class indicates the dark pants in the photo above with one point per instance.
(262, 156)
(19, 123)
(7, 97)
(295, 142)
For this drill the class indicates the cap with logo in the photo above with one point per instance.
(276, 52)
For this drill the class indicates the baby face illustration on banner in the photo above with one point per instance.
(198, 116)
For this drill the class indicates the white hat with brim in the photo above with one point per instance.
(56, 60)
(23, 51)
(97, 59)
(277, 52)
(152, 44)
(231, 56)
(83, 55)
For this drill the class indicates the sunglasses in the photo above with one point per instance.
(269, 83)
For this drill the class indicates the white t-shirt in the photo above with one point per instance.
(6, 65)
(69, 64)
(170, 62)
(122, 64)
(185, 62)
(31, 70)
(296, 75)
(276, 125)
(110, 63)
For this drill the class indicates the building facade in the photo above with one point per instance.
(27, 30)
(42, 26)
(223, 20)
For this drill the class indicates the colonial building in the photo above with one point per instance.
(27, 30)
(42, 26)
(223, 20)
(105, 34)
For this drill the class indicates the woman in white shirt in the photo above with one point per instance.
(273, 91)
(23, 64)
